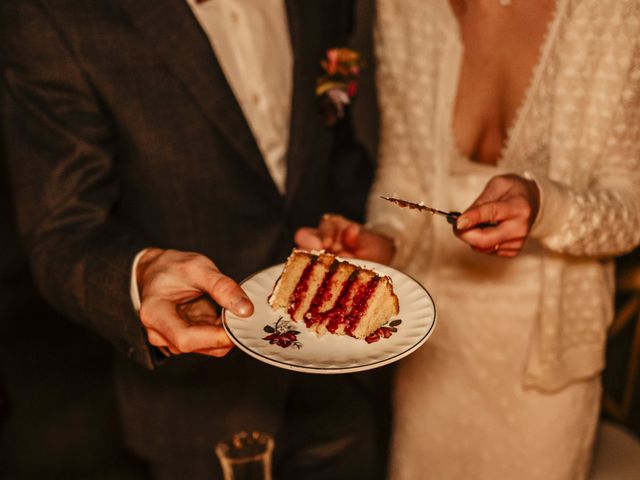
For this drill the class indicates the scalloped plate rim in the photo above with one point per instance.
(385, 360)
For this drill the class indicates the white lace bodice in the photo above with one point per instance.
(577, 134)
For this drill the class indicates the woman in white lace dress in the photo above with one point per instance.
(527, 114)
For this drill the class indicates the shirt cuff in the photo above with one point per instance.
(133, 288)
(158, 358)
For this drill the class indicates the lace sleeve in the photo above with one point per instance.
(602, 218)
(397, 172)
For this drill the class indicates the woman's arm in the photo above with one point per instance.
(397, 171)
(603, 217)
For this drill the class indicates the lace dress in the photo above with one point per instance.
(577, 133)
(461, 411)
(507, 387)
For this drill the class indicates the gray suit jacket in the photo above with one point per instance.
(123, 133)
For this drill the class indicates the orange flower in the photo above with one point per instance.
(339, 83)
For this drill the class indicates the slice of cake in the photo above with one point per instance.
(333, 295)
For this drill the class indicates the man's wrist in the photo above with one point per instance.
(141, 262)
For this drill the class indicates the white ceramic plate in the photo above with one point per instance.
(303, 351)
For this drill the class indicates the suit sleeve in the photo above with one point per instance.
(61, 153)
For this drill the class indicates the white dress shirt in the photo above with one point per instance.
(251, 41)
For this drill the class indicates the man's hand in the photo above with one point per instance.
(348, 239)
(511, 202)
(177, 291)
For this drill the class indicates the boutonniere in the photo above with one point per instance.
(338, 85)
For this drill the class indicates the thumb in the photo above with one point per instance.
(228, 294)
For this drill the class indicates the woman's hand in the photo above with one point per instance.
(341, 236)
(511, 202)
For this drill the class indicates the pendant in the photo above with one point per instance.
(505, 3)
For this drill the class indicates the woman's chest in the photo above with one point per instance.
(501, 50)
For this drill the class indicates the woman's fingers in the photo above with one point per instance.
(328, 236)
(330, 229)
(488, 213)
(509, 202)
(504, 197)
(351, 237)
(486, 238)
(506, 238)
(509, 248)
(308, 238)
(346, 238)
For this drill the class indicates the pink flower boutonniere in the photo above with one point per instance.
(339, 82)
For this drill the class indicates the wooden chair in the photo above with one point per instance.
(617, 449)
(616, 455)
(627, 323)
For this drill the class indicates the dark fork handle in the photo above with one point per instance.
(452, 218)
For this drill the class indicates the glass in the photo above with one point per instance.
(246, 456)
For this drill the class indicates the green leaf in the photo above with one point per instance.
(326, 86)
(269, 329)
(395, 323)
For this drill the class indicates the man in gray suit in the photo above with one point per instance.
(160, 151)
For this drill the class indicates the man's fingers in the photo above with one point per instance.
(215, 352)
(185, 276)
(181, 294)
(156, 339)
(200, 311)
(165, 327)
(222, 345)
(229, 295)
(222, 289)
(196, 338)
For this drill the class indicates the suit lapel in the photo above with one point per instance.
(175, 33)
(304, 40)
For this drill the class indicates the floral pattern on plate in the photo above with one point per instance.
(282, 334)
